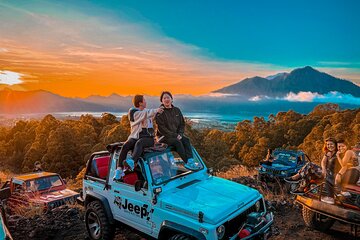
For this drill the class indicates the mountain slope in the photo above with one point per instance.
(305, 79)
(41, 102)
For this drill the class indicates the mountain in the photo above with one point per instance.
(278, 76)
(41, 102)
(305, 79)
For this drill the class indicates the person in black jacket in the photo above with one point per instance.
(171, 128)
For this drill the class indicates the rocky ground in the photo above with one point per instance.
(67, 222)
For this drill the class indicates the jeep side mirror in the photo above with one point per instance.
(65, 182)
(210, 171)
(138, 185)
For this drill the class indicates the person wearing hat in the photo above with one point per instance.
(171, 130)
(141, 135)
(37, 167)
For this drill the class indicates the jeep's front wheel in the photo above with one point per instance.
(97, 223)
(180, 237)
(316, 220)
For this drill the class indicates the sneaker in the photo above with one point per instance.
(191, 165)
(344, 194)
(119, 173)
(328, 200)
(131, 164)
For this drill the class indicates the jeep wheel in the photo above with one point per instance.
(316, 220)
(97, 223)
(180, 237)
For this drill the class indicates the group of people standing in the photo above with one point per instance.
(170, 130)
(340, 166)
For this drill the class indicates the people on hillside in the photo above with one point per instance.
(349, 172)
(37, 167)
(269, 158)
(141, 135)
(171, 130)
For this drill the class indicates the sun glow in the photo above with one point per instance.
(10, 78)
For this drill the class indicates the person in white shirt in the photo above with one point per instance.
(141, 135)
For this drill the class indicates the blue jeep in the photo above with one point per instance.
(286, 163)
(4, 231)
(162, 199)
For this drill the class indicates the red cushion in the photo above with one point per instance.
(102, 166)
(130, 178)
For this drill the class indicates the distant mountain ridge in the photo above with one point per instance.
(305, 79)
(41, 101)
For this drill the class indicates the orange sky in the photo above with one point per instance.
(93, 56)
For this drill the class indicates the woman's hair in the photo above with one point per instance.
(330, 139)
(270, 150)
(165, 92)
(137, 100)
(341, 140)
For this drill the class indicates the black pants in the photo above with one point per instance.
(137, 145)
(182, 147)
(330, 184)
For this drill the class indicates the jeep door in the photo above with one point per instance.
(131, 207)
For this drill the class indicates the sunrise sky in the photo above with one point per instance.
(82, 48)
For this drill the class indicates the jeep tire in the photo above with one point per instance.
(180, 237)
(97, 223)
(316, 220)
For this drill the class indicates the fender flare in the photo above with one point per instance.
(168, 225)
(90, 196)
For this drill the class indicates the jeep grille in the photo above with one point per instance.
(273, 171)
(61, 202)
(233, 226)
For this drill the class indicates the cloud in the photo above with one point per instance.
(334, 97)
(10, 78)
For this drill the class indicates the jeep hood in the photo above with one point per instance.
(215, 197)
(56, 195)
(279, 166)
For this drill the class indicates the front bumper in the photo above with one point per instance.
(264, 232)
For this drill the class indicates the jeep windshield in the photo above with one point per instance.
(43, 183)
(285, 158)
(168, 165)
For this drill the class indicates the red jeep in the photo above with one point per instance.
(41, 190)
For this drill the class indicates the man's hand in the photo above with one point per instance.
(160, 110)
(179, 137)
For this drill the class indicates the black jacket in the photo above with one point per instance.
(170, 123)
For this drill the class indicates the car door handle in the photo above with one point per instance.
(116, 191)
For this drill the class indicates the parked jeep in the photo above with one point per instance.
(164, 200)
(43, 190)
(321, 216)
(4, 232)
(286, 163)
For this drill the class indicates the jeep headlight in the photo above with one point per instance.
(263, 169)
(220, 231)
(282, 172)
